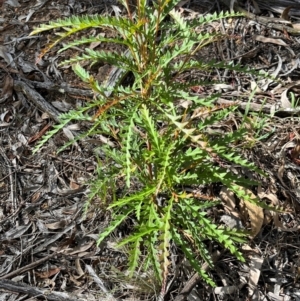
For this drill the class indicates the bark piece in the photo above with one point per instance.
(34, 292)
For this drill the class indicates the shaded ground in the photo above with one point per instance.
(47, 242)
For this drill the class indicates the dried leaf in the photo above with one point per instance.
(270, 40)
(74, 185)
(7, 89)
(80, 249)
(269, 215)
(228, 197)
(256, 7)
(256, 215)
(6, 117)
(16, 232)
(285, 102)
(48, 273)
(35, 197)
(254, 273)
(61, 105)
(53, 239)
(74, 127)
(80, 271)
(68, 133)
(13, 3)
(296, 26)
(285, 13)
(7, 56)
(57, 225)
(96, 44)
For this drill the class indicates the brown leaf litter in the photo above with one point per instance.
(48, 243)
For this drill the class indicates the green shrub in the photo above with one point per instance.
(162, 147)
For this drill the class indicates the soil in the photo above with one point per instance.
(48, 246)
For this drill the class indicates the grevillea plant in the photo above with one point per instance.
(161, 147)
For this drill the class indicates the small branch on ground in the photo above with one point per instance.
(16, 287)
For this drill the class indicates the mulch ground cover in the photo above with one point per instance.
(48, 238)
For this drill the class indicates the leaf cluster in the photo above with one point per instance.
(163, 147)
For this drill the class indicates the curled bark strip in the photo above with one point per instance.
(36, 99)
(62, 88)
